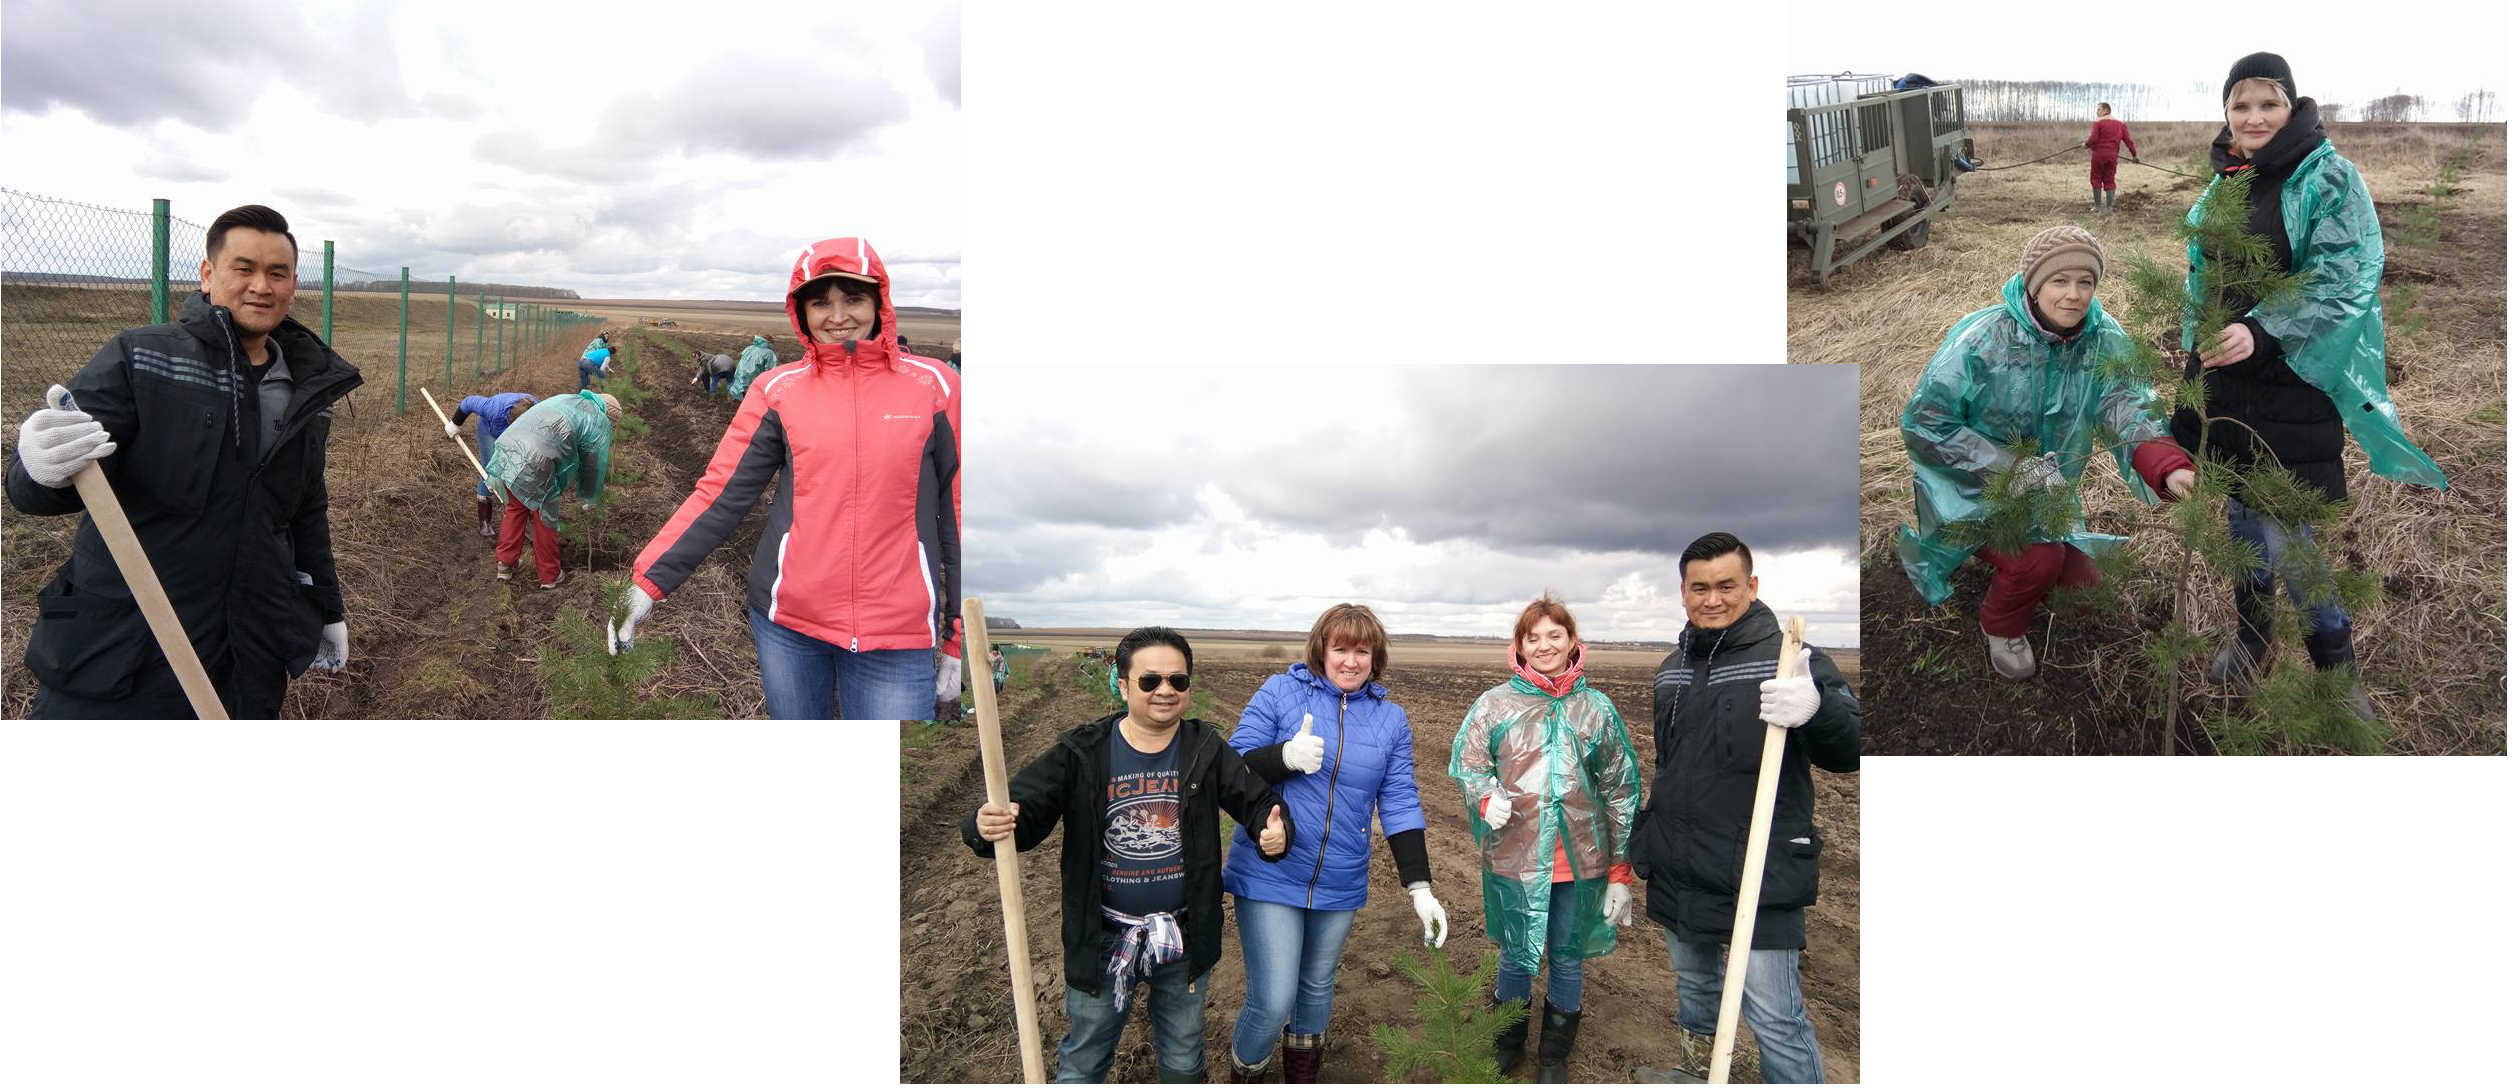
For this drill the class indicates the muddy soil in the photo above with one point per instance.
(956, 1020)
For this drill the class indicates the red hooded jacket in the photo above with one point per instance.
(862, 544)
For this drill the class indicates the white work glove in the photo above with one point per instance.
(54, 443)
(1496, 812)
(452, 431)
(333, 652)
(1788, 703)
(946, 680)
(1617, 904)
(1434, 917)
(1307, 751)
(640, 605)
(2040, 472)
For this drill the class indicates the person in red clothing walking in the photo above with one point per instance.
(856, 580)
(2108, 134)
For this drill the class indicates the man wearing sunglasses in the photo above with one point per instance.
(1143, 790)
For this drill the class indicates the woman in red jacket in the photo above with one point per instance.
(856, 580)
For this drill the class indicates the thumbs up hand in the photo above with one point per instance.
(1271, 841)
(1307, 751)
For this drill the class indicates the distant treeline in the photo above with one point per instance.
(2064, 100)
(506, 289)
(416, 286)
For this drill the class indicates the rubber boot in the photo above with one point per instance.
(2335, 649)
(1247, 1074)
(1552, 1054)
(1172, 1076)
(1511, 1044)
(1301, 1054)
(488, 526)
(2240, 657)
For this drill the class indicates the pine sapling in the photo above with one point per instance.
(1457, 1028)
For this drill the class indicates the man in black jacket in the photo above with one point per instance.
(1714, 694)
(1141, 792)
(212, 430)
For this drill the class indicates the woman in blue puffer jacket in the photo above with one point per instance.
(1325, 735)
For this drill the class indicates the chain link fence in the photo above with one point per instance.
(74, 274)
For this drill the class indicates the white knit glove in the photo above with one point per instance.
(640, 605)
(1434, 917)
(1307, 751)
(946, 680)
(1618, 904)
(333, 651)
(1789, 703)
(1496, 812)
(452, 431)
(2040, 472)
(54, 443)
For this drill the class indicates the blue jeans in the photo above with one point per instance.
(1177, 1022)
(2270, 537)
(810, 680)
(584, 376)
(488, 448)
(1291, 955)
(1562, 954)
(1773, 1005)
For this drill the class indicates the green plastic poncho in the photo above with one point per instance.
(1998, 378)
(2332, 333)
(560, 441)
(1573, 784)
(757, 359)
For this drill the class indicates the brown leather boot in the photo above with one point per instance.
(1301, 1055)
(1247, 1074)
(488, 526)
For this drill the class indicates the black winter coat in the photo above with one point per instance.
(1709, 732)
(1069, 784)
(2297, 422)
(241, 542)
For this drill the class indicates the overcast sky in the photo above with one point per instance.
(627, 148)
(2341, 52)
(1444, 497)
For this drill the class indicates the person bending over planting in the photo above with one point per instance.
(2016, 395)
(1552, 790)
(558, 443)
(1324, 733)
(1140, 793)
(497, 411)
(2292, 376)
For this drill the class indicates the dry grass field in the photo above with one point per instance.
(930, 331)
(2432, 650)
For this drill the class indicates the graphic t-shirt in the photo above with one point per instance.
(1143, 870)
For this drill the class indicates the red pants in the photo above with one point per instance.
(2023, 580)
(2106, 170)
(544, 541)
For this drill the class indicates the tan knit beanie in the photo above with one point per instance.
(2056, 250)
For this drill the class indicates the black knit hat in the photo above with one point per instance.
(2260, 66)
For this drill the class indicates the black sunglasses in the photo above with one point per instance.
(1150, 681)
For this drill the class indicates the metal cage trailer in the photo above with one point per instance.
(1881, 163)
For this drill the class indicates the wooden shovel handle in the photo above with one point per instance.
(458, 443)
(1757, 846)
(1006, 853)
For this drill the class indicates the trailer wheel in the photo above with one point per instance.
(1914, 238)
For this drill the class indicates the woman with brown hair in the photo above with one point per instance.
(1328, 739)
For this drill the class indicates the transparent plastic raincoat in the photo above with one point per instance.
(1561, 754)
(757, 359)
(560, 441)
(2332, 333)
(1997, 378)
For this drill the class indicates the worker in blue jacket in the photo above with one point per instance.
(495, 410)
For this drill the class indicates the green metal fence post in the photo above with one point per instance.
(479, 338)
(327, 291)
(449, 333)
(501, 335)
(158, 298)
(401, 364)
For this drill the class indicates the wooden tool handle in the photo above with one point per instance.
(1006, 853)
(466, 450)
(1757, 846)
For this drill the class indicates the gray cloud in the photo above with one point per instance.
(737, 105)
(941, 44)
(202, 66)
(167, 165)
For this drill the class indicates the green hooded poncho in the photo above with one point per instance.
(1574, 787)
(2332, 332)
(559, 441)
(1997, 378)
(757, 359)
